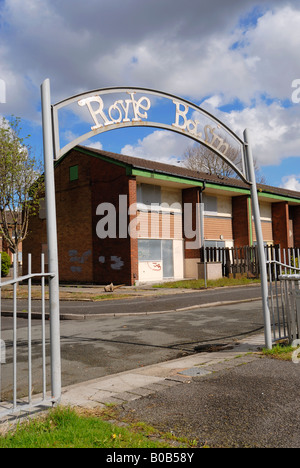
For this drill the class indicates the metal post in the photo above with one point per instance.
(43, 327)
(203, 242)
(52, 241)
(29, 332)
(15, 339)
(201, 227)
(259, 236)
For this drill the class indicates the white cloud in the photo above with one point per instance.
(182, 48)
(291, 182)
(96, 144)
(274, 129)
(70, 136)
(275, 44)
(195, 49)
(160, 146)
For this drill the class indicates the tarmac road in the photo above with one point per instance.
(155, 302)
(111, 344)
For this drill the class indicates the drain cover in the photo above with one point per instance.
(194, 372)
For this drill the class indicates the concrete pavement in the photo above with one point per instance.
(235, 398)
(131, 385)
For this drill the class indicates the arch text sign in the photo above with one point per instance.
(113, 108)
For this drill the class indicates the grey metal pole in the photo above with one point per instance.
(203, 242)
(260, 242)
(52, 242)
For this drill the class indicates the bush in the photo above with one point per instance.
(5, 264)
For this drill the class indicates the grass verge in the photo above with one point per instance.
(200, 284)
(280, 351)
(70, 428)
(67, 296)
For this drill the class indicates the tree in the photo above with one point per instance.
(20, 184)
(200, 158)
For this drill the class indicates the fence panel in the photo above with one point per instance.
(245, 261)
(284, 297)
(235, 261)
(291, 298)
(16, 358)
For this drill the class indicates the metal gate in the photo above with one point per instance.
(10, 350)
(18, 350)
(284, 299)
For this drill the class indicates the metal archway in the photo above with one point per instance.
(134, 111)
(125, 113)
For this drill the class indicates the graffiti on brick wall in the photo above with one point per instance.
(116, 263)
(78, 260)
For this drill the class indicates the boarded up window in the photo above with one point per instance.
(210, 205)
(149, 194)
(149, 250)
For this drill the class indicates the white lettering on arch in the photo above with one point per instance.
(118, 112)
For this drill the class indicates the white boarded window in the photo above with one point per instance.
(149, 194)
(149, 250)
(210, 205)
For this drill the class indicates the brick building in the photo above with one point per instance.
(4, 245)
(94, 190)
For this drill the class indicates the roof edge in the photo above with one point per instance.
(181, 173)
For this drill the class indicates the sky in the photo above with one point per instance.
(237, 59)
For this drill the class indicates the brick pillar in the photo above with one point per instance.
(191, 196)
(296, 213)
(134, 260)
(241, 224)
(280, 220)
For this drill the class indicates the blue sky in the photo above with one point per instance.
(237, 59)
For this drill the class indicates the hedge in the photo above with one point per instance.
(5, 264)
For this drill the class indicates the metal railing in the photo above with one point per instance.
(284, 300)
(15, 351)
(292, 305)
(245, 260)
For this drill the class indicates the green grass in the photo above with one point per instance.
(200, 284)
(280, 351)
(103, 297)
(67, 428)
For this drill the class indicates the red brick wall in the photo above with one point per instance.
(74, 224)
(4, 246)
(280, 218)
(74, 219)
(240, 221)
(132, 199)
(112, 260)
(37, 236)
(79, 247)
(296, 223)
